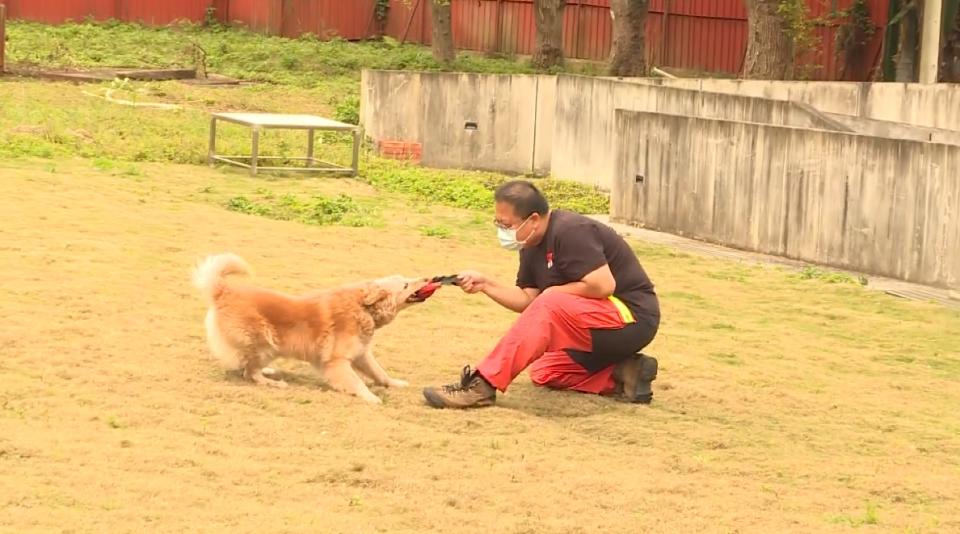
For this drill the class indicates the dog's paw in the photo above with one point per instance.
(371, 398)
(274, 383)
(269, 371)
(397, 383)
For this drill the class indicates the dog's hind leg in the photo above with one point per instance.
(221, 348)
(368, 365)
(341, 377)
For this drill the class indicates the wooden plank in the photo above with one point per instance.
(100, 75)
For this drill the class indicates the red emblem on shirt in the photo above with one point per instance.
(550, 259)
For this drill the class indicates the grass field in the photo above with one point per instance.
(783, 403)
(786, 402)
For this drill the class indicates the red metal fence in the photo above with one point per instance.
(705, 35)
(155, 12)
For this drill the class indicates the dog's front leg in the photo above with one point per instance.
(368, 365)
(341, 377)
(255, 374)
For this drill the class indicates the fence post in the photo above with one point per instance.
(576, 30)
(423, 26)
(663, 32)
(498, 27)
(413, 14)
(3, 34)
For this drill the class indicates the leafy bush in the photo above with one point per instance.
(347, 109)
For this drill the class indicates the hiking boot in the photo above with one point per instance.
(634, 378)
(472, 392)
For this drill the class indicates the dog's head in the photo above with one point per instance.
(385, 297)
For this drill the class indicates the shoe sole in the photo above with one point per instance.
(436, 401)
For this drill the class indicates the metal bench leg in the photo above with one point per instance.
(255, 151)
(356, 152)
(310, 147)
(212, 151)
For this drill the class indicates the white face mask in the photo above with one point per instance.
(508, 237)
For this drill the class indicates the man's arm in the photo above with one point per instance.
(510, 297)
(597, 284)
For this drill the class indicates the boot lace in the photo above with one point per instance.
(466, 381)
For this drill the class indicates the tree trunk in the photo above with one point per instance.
(441, 38)
(950, 72)
(950, 55)
(628, 52)
(548, 16)
(769, 45)
(908, 50)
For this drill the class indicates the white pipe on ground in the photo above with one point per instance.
(662, 73)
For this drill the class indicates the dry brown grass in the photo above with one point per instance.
(783, 404)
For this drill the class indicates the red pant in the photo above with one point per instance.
(550, 324)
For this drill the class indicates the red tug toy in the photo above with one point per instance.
(435, 283)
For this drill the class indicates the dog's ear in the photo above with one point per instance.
(373, 294)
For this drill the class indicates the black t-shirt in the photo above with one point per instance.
(575, 246)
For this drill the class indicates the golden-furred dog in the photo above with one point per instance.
(247, 326)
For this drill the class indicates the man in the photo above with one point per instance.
(586, 308)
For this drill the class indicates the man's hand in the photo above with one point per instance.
(472, 281)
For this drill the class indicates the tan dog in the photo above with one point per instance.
(248, 327)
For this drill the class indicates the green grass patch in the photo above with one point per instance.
(871, 516)
(474, 189)
(347, 109)
(830, 277)
(117, 168)
(436, 231)
(320, 210)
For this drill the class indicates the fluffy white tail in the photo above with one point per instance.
(209, 273)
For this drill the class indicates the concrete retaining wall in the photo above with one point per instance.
(869, 204)
(471, 121)
(897, 130)
(585, 134)
(565, 125)
(934, 106)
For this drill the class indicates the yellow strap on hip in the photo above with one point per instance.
(623, 310)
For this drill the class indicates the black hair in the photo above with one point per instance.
(523, 196)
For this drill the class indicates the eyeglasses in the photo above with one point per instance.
(502, 226)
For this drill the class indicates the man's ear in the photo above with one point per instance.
(374, 294)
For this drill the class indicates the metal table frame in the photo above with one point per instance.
(267, 121)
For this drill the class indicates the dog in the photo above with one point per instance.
(247, 327)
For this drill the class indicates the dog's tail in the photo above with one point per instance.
(209, 274)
